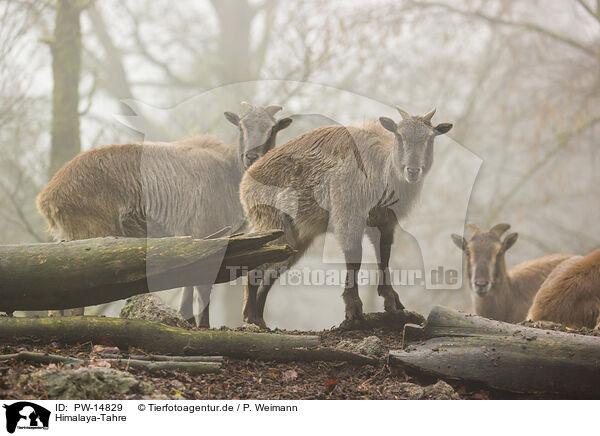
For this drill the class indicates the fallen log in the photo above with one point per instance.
(87, 272)
(457, 346)
(162, 339)
(42, 358)
(192, 368)
(159, 358)
(173, 364)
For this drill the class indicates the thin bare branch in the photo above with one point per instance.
(164, 66)
(563, 141)
(90, 96)
(503, 22)
(588, 9)
(17, 205)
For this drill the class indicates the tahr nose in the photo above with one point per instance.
(413, 172)
(250, 158)
(481, 284)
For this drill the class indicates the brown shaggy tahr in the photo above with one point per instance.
(348, 180)
(182, 188)
(498, 294)
(571, 294)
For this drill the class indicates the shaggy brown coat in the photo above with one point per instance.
(571, 294)
(143, 189)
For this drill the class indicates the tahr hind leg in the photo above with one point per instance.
(203, 295)
(186, 304)
(382, 238)
(352, 248)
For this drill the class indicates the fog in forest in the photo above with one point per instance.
(520, 81)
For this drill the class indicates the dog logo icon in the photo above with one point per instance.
(26, 415)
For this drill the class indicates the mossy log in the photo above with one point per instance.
(458, 346)
(161, 339)
(87, 272)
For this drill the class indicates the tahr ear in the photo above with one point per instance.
(272, 110)
(283, 123)
(233, 118)
(459, 241)
(509, 241)
(388, 124)
(499, 229)
(443, 128)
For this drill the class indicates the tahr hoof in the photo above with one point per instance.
(391, 300)
(399, 305)
(255, 326)
(191, 321)
(261, 323)
(204, 323)
(257, 321)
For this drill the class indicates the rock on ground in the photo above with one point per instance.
(253, 328)
(370, 346)
(439, 391)
(88, 383)
(151, 308)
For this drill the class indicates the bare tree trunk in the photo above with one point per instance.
(117, 82)
(459, 346)
(66, 68)
(235, 17)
